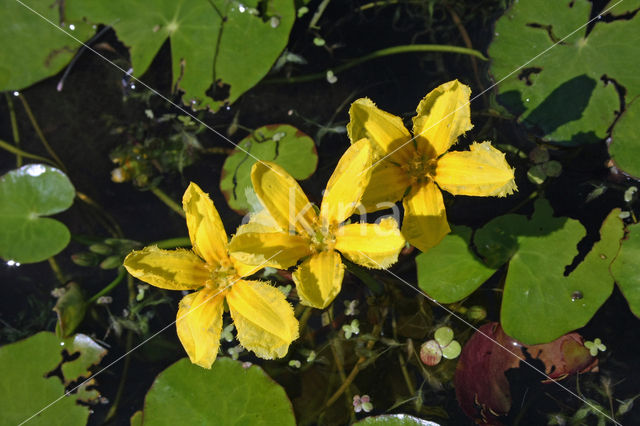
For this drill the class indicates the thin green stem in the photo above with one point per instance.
(56, 270)
(113, 284)
(36, 126)
(379, 54)
(14, 127)
(108, 222)
(123, 379)
(18, 152)
(162, 196)
(172, 243)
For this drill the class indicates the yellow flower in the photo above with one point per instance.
(298, 231)
(416, 168)
(263, 318)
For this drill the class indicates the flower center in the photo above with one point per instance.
(322, 238)
(221, 275)
(420, 167)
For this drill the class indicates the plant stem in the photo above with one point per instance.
(12, 149)
(354, 372)
(14, 127)
(56, 270)
(109, 222)
(172, 243)
(35, 125)
(379, 54)
(168, 201)
(121, 274)
(123, 379)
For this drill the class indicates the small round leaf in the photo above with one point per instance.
(27, 194)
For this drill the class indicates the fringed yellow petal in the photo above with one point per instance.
(170, 269)
(443, 115)
(199, 325)
(206, 230)
(281, 195)
(425, 219)
(371, 245)
(263, 318)
(481, 171)
(319, 279)
(387, 185)
(347, 183)
(260, 222)
(386, 131)
(274, 249)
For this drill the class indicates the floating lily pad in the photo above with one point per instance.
(626, 268)
(228, 394)
(282, 144)
(563, 91)
(450, 271)
(213, 43)
(540, 303)
(27, 194)
(33, 49)
(625, 146)
(395, 420)
(26, 390)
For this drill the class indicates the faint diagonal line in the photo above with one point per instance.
(492, 86)
(477, 330)
(257, 268)
(177, 106)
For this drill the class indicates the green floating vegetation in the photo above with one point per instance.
(626, 269)
(214, 43)
(27, 194)
(564, 92)
(280, 143)
(395, 420)
(625, 147)
(26, 390)
(450, 271)
(540, 302)
(186, 394)
(34, 49)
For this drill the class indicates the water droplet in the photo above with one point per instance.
(497, 34)
(12, 262)
(275, 22)
(241, 8)
(603, 256)
(35, 170)
(576, 295)
(16, 93)
(72, 27)
(527, 100)
(61, 343)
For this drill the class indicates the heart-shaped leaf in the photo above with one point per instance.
(450, 271)
(540, 302)
(563, 90)
(33, 49)
(228, 394)
(213, 42)
(27, 194)
(280, 143)
(26, 389)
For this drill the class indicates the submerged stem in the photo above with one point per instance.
(379, 54)
(121, 274)
(36, 127)
(18, 152)
(14, 127)
(167, 200)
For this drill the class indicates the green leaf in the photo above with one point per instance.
(626, 269)
(395, 420)
(26, 194)
(33, 49)
(625, 147)
(70, 309)
(228, 394)
(213, 42)
(280, 143)
(26, 390)
(560, 91)
(540, 303)
(450, 271)
(443, 335)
